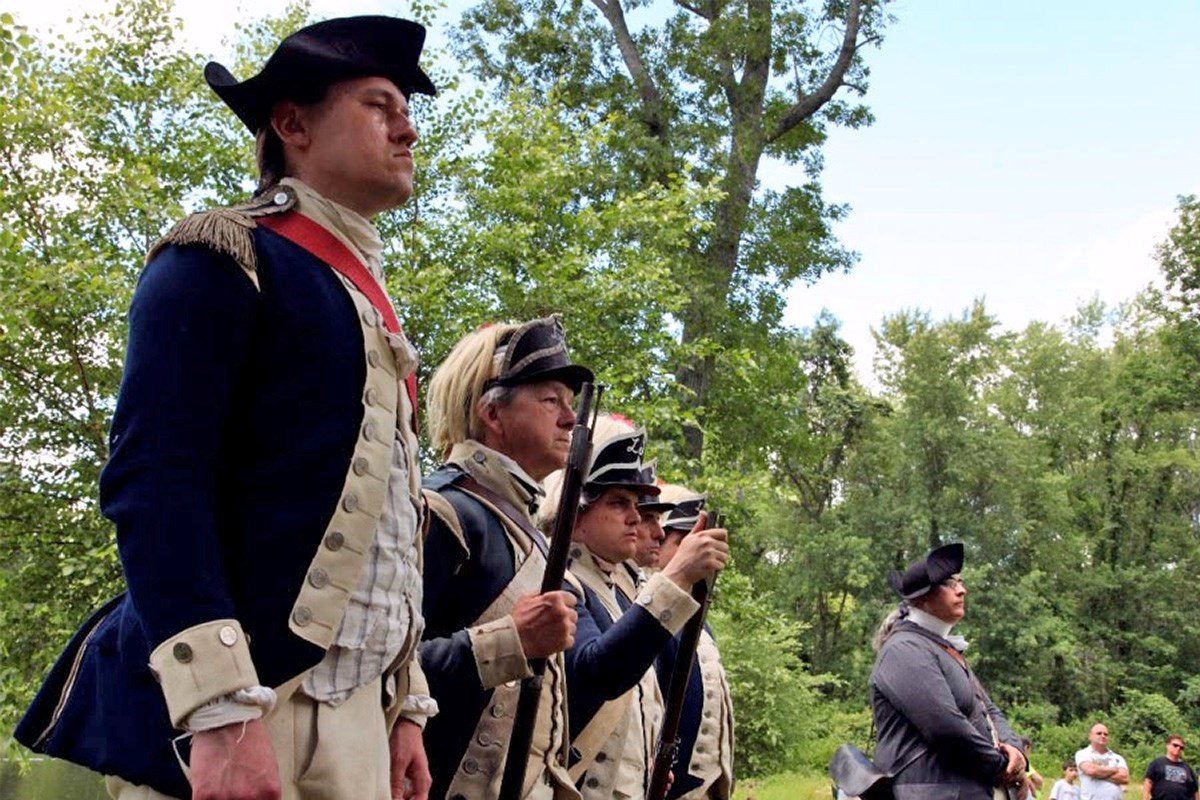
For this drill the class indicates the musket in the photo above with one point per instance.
(681, 673)
(556, 567)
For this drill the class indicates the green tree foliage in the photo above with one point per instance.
(720, 88)
(605, 183)
(105, 139)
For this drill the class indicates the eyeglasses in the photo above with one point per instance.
(953, 582)
(1176, 744)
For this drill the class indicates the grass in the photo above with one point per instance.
(788, 786)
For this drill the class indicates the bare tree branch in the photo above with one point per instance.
(653, 108)
(692, 9)
(808, 105)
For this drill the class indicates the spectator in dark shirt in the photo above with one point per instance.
(1169, 777)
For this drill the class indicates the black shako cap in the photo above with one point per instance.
(651, 502)
(617, 464)
(923, 575)
(537, 351)
(683, 517)
(310, 60)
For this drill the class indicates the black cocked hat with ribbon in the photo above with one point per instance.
(617, 464)
(647, 501)
(313, 58)
(537, 351)
(685, 514)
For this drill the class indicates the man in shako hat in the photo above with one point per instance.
(634, 571)
(614, 701)
(263, 477)
(500, 414)
(704, 760)
(940, 735)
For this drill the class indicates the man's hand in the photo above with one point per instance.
(545, 623)
(701, 553)
(234, 763)
(410, 768)
(1014, 771)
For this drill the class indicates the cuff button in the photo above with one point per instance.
(227, 635)
(182, 652)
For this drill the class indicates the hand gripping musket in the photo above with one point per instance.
(556, 567)
(681, 673)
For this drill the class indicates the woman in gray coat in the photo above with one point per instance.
(940, 735)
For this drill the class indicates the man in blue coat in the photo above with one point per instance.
(500, 412)
(263, 477)
(704, 759)
(614, 701)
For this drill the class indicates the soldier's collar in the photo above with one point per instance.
(355, 230)
(499, 472)
(587, 560)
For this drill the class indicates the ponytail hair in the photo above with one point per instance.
(889, 622)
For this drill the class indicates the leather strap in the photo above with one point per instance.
(514, 514)
(312, 237)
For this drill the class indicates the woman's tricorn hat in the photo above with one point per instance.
(313, 58)
(617, 464)
(923, 575)
(537, 351)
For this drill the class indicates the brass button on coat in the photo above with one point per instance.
(371, 397)
(361, 465)
(373, 358)
(334, 540)
(182, 652)
(302, 616)
(350, 503)
(227, 635)
(319, 578)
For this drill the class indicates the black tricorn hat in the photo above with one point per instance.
(685, 514)
(647, 501)
(923, 575)
(310, 60)
(617, 464)
(537, 351)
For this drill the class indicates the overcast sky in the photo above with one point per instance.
(1025, 152)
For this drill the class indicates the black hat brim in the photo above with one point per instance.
(573, 376)
(309, 61)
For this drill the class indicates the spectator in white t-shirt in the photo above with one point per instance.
(1103, 774)
(1064, 787)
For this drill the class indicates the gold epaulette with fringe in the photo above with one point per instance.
(229, 231)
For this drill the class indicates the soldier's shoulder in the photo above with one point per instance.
(229, 230)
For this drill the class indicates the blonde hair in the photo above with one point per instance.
(608, 426)
(884, 631)
(458, 385)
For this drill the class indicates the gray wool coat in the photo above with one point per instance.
(932, 730)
